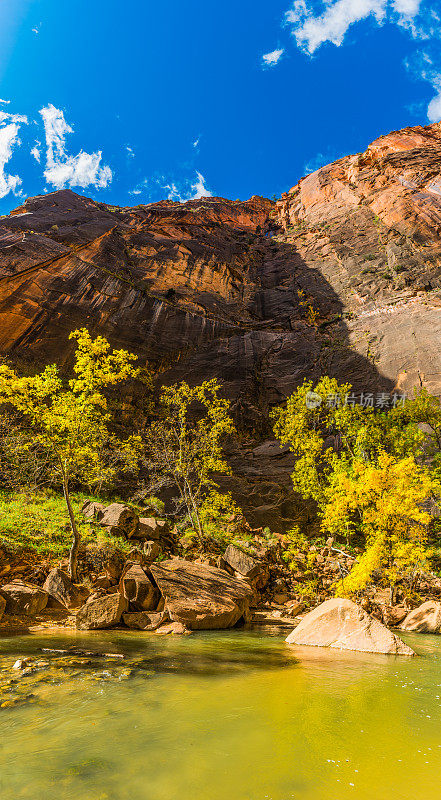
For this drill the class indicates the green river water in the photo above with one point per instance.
(234, 715)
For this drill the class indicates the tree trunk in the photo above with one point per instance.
(73, 553)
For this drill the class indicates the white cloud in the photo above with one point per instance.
(312, 29)
(434, 107)
(407, 8)
(36, 152)
(83, 170)
(331, 26)
(273, 58)
(130, 151)
(9, 130)
(36, 30)
(196, 142)
(4, 101)
(200, 188)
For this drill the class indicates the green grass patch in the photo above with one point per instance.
(38, 522)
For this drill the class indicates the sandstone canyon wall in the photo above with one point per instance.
(341, 276)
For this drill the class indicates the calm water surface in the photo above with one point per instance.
(230, 715)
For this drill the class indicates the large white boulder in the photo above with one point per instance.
(424, 619)
(342, 624)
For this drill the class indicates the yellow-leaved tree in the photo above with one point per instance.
(70, 421)
(369, 470)
(185, 448)
(385, 502)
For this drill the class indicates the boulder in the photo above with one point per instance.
(24, 598)
(342, 624)
(200, 596)
(241, 562)
(120, 519)
(102, 612)
(59, 587)
(144, 621)
(151, 551)
(2, 606)
(424, 619)
(114, 567)
(391, 616)
(93, 510)
(102, 581)
(138, 589)
(172, 628)
(151, 529)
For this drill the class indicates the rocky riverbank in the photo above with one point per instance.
(166, 586)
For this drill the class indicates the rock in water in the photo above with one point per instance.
(199, 596)
(344, 625)
(144, 621)
(59, 586)
(176, 628)
(139, 590)
(24, 598)
(102, 612)
(424, 619)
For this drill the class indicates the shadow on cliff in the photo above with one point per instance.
(292, 326)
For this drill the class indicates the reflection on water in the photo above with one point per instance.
(233, 715)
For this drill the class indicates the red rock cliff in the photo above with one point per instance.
(342, 275)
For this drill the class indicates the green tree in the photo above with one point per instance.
(70, 422)
(185, 445)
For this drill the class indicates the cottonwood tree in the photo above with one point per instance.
(70, 421)
(368, 472)
(185, 445)
(385, 503)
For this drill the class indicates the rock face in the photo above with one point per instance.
(23, 598)
(59, 587)
(2, 606)
(343, 625)
(341, 276)
(424, 619)
(102, 612)
(199, 596)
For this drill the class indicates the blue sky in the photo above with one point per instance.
(138, 101)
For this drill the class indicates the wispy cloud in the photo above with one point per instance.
(273, 58)
(315, 22)
(130, 151)
(178, 189)
(36, 152)
(9, 139)
(83, 169)
(36, 29)
(423, 67)
(6, 102)
(321, 160)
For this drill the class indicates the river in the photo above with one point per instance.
(234, 715)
